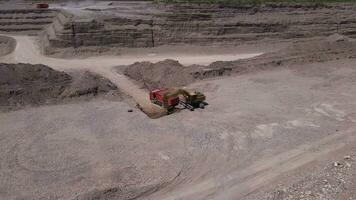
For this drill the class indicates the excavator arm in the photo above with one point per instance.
(190, 99)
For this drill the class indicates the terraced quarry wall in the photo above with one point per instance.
(66, 31)
(199, 24)
(48, 37)
(25, 20)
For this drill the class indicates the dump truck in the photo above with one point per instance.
(169, 98)
(164, 98)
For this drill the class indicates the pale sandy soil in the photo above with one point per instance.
(264, 135)
(257, 127)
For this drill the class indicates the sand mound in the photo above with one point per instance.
(86, 83)
(25, 84)
(167, 73)
(7, 45)
(170, 73)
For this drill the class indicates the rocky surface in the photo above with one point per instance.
(25, 84)
(335, 181)
(144, 24)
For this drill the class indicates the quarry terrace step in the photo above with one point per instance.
(33, 22)
(195, 24)
(15, 28)
(27, 11)
(25, 20)
(15, 17)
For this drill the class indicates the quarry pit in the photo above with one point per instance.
(279, 80)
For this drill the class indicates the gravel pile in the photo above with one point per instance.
(336, 181)
(167, 73)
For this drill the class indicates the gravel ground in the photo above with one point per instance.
(286, 132)
(331, 178)
(100, 150)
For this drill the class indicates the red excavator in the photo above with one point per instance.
(169, 98)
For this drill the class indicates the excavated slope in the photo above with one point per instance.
(25, 20)
(143, 24)
(170, 73)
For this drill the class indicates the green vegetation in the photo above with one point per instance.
(259, 2)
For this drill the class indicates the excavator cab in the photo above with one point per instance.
(193, 99)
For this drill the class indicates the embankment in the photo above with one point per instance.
(170, 73)
(34, 85)
(144, 24)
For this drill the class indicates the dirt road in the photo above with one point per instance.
(28, 52)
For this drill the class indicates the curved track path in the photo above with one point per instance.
(240, 184)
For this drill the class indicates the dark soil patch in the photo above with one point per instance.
(25, 84)
(7, 45)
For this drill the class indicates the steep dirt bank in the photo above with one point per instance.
(25, 84)
(7, 45)
(334, 47)
(170, 73)
(144, 24)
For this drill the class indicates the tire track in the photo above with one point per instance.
(239, 184)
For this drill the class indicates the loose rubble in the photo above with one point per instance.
(336, 181)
